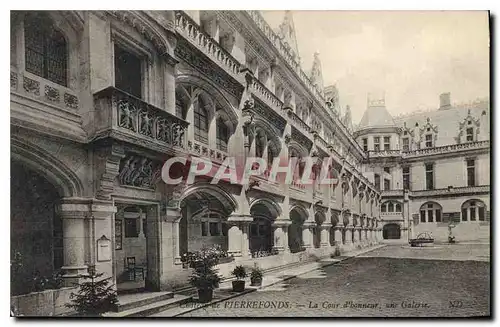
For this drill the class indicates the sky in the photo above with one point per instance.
(411, 57)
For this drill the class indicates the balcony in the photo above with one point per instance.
(392, 193)
(127, 118)
(268, 97)
(453, 191)
(447, 149)
(191, 31)
(384, 154)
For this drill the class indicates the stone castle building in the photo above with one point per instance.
(101, 99)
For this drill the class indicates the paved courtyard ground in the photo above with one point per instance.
(394, 281)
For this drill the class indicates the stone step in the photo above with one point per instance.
(152, 308)
(130, 301)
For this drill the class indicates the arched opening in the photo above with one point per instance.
(391, 232)
(261, 234)
(36, 228)
(204, 213)
(295, 242)
(474, 210)
(430, 212)
(319, 218)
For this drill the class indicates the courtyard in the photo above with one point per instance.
(393, 281)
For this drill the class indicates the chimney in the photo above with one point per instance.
(444, 101)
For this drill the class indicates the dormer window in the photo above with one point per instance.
(428, 140)
(406, 144)
(470, 134)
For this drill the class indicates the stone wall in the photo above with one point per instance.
(46, 303)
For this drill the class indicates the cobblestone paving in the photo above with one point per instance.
(377, 285)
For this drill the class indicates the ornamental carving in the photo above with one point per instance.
(139, 172)
(71, 101)
(31, 86)
(301, 138)
(127, 115)
(269, 115)
(145, 123)
(193, 57)
(52, 93)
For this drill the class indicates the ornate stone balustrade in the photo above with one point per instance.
(392, 193)
(298, 122)
(430, 151)
(41, 89)
(126, 116)
(447, 149)
(384, 153)
(266, 95)
(189, 29)
(203, 150)
(451, 191)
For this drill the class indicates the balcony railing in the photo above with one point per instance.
(129, 117)
(266, 95)
(384, 153)
(447, 148)
(452, 191)
(204, 150)
(188, 28)
(298, 122)
(392, 193)
(39, 88)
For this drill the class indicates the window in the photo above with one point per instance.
(204, 229)
(429, 176)
(46, 52)
(128, 72)
(406, 178)
(470, 134)
(384, 208)
(387, 170)
(428, 140)
(377, 181)
(387, 184)
(387, 142)
(365, 144)
(214, 229)
(398, 207)
(200, 122)
(179, 108)
(260, 144)
(376, 143)
(473, 210)
(131, 229)
(270, 157)
(406, 144)
(222, 135)
(430, 212)
(471, 172)
(390, 207)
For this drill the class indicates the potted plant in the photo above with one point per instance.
(256, 277)
(240, 273)
(205, 277)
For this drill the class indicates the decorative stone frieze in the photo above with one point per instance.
(139, 171)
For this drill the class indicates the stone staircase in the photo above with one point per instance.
(146, 304)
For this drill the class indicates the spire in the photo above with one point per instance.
(287, 34)
(316, 75)
(347, 119)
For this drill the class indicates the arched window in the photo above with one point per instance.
(473, 210)
(46, 52)
(222, 135)
(430, 212)
(391, 206)
(200, 122)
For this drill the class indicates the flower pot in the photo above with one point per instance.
(205, 295)
(256, 282)
(238, 285)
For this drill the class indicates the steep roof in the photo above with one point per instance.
(376, 116)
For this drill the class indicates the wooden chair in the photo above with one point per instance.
(133, 270)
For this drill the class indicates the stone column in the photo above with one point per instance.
(173, 216)
(281, 235)
(348, 235)
(325, 235)
(238, 245)
(355, 235)
(307, 234)
(73, 217)
(245, 248)
(338, 234)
